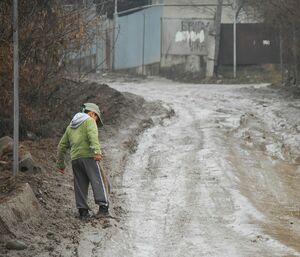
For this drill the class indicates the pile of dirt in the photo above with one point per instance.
(125, 117)
(50, 117)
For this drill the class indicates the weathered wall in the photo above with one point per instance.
(185, 44)
(184, 36)
(188, 36)
(191, 31)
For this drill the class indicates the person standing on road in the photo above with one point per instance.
(81, 136)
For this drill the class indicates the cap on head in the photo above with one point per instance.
(93, 108)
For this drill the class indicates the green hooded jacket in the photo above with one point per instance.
(81, 136)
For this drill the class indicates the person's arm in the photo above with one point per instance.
(62, 148)
(92, 133)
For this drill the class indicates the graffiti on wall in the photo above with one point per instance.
(185, 36)
(193, 33)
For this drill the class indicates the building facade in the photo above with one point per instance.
(180, 37)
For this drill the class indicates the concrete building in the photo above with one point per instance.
(188, 38)
(190, 30)
(185, 37)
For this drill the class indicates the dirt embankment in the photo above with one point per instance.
(56, 231)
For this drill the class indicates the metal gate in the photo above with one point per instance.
(256, 44)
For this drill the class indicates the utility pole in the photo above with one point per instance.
(115, 34)
(295, 54)
(234, 37)
(144, 34)
(99, 29)
(16, 87)
(218, 21)
(281, 56)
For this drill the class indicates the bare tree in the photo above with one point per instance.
(46, 30)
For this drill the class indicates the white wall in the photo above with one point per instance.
(200, 12)
(192, 62)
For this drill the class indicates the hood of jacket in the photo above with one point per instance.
(78, 119)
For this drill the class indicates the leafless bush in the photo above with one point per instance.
(47, 28)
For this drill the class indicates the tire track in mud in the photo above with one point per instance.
(273, 179)
(191, 187)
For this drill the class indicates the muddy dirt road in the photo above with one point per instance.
(220, 178)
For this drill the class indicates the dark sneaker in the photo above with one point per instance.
(103, 211)
(84, 214)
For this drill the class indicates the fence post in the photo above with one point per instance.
(144, 34)
(98, 44)
(115, 31)
(295, 53)
(281, 56)
(234, 38)
(16, 87)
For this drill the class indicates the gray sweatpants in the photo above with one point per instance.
(86, 171)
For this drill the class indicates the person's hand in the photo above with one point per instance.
(98, 157)
(61, 170)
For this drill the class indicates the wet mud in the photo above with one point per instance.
(220, 178)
